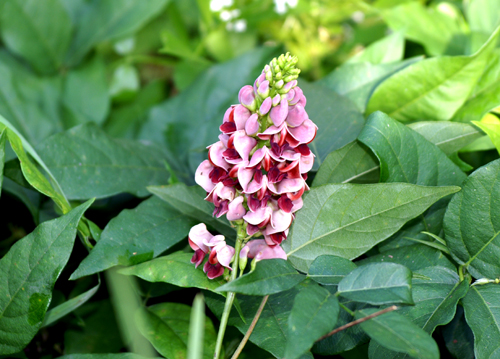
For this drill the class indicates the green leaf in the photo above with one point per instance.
(271, 330)
(196, 329)
(492, 130)
(85, 96)
(189, 201)
(415, 257)
(486, 94)
(24, 115)
(94, 329)
(438, 31)
(329, 270)
(450, 137)
(357, 81)
(482, 15)
(481, 312)
(436, 293)
(314, 314)
(70, 305)
(471, 226)
(378, 283)
(40, 32)
(386, 50)
(346, 339)
(397, 333)
(28, 273)
(448, 83)
(135, 236)
(106, 20)
(269, 277)
(347, 220)
(33, 175)
(90, 164)
(351, 163)
(339, 121)
(458, 336)
(405, 156)
(177, 269)
(166, 326)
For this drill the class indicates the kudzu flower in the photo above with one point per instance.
(256, 173)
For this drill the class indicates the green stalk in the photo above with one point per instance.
(230, 295)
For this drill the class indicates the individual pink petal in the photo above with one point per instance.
(213, 270)
(259, 80)
(241, 115)
(228, 114)
(296, 115)
(280, 221)
(276, 100)
(225, 255)
(215, 155)
(263, 89)
(198, 235)
(258, 156)
(256, 185)
(198, 257)
(259, 216)
(224, 138)
(288, 185)
(246, 96)
(298, 95)
(304, 133)
(306, 163)
(297, 204)
(202, 176)
(252, 125)
(236, 210)
(266, 106)
(278, 114)
(244, 144)
(225, 192)
(259, 250)
(245, 176)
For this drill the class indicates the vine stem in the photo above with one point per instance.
(230, 295)
(361, 320)
(250, 328)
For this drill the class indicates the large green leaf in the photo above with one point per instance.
(106, 20)
(28, 273)
(448, 136)
(314, 314)
(482, 313)
(416, 257)
(439, 32)
(329, 270)
(351, 163)
(483, 16)
(458, 336)
(40, 32)
(176, 269)
(357, 81)
(338, 119)
(85, 94)
(388, 49)
(103, 356)
(486, 94)
(347, 220)
(492, 129)
(471, 224)
(201, 106)
(3, 139)
(135, 236)
(269, 277)
(436, 292)
(405, 156)
(448, 83)
(189, 201)
(398, 333)
(166, 326)
(88, 163)
(378, 283)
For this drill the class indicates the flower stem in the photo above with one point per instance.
(230, 295)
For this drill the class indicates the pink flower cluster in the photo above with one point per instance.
(256, 173)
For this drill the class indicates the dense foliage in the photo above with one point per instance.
(106, 111)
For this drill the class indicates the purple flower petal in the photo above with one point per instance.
(259, 216)
(252, 125)
(215, 155)
(202, 176)
(241, 115)
(306, 163)
(198, 235)
(243, 144)
(236, 210)
(259, 250)
(304, 133)
(296, 115)
(246, 96)
(266, 106)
